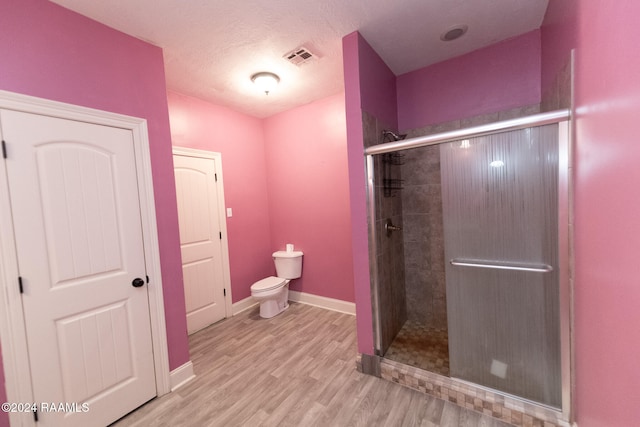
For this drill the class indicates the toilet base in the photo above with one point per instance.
(274, 304)
(271, 308)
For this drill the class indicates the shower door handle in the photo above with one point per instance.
(535, 268)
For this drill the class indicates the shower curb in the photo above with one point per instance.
(504, 408)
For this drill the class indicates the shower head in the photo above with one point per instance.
(393, 135)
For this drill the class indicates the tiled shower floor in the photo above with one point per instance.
(421, 346)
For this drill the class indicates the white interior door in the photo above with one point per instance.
(79, 245)
(199, 207)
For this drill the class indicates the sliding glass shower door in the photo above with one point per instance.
(500, 206)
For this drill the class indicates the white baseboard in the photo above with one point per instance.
(242, 305)
(323, 302)
(303, 298)
(181, 375)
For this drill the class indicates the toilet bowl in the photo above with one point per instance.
(273, 295)
(273, 292)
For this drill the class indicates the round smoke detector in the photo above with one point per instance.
(454, 33)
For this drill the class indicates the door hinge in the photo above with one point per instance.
(4, 149)
(20, 285)
(225, 292)
(147, 279)
(35, 415)
(221, 235)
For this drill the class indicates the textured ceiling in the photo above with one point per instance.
(212, 47)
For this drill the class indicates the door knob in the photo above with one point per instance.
(137, 282)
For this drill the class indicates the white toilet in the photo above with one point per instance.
(273, 292)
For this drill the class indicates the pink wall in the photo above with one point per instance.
(499, 77)
(378, 96)
(364, 74)
(306, 150)
(240, 140)
(607, 229)
(50, 52)
(284, 179)
(357, 192)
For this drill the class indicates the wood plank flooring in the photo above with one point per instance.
(295, 369)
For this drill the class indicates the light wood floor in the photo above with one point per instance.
(295, 369)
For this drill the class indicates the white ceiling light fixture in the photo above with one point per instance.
(265, 81)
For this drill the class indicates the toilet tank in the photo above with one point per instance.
(288, 264)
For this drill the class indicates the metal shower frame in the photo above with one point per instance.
(562, 117)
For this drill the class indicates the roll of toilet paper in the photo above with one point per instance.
(289, 247)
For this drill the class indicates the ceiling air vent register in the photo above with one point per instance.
(299, 56)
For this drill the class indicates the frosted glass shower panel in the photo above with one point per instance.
(500, 206)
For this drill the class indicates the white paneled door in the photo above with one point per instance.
(200, 205)
(79, 244)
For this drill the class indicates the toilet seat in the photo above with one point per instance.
(268, 284)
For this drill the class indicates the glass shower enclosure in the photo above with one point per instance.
(505, 225)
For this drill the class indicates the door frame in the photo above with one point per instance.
(222, 214)
(13, 336)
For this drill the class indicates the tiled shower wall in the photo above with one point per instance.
(389, 254)
(423, 237)
(559, 94)
(422, 217)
